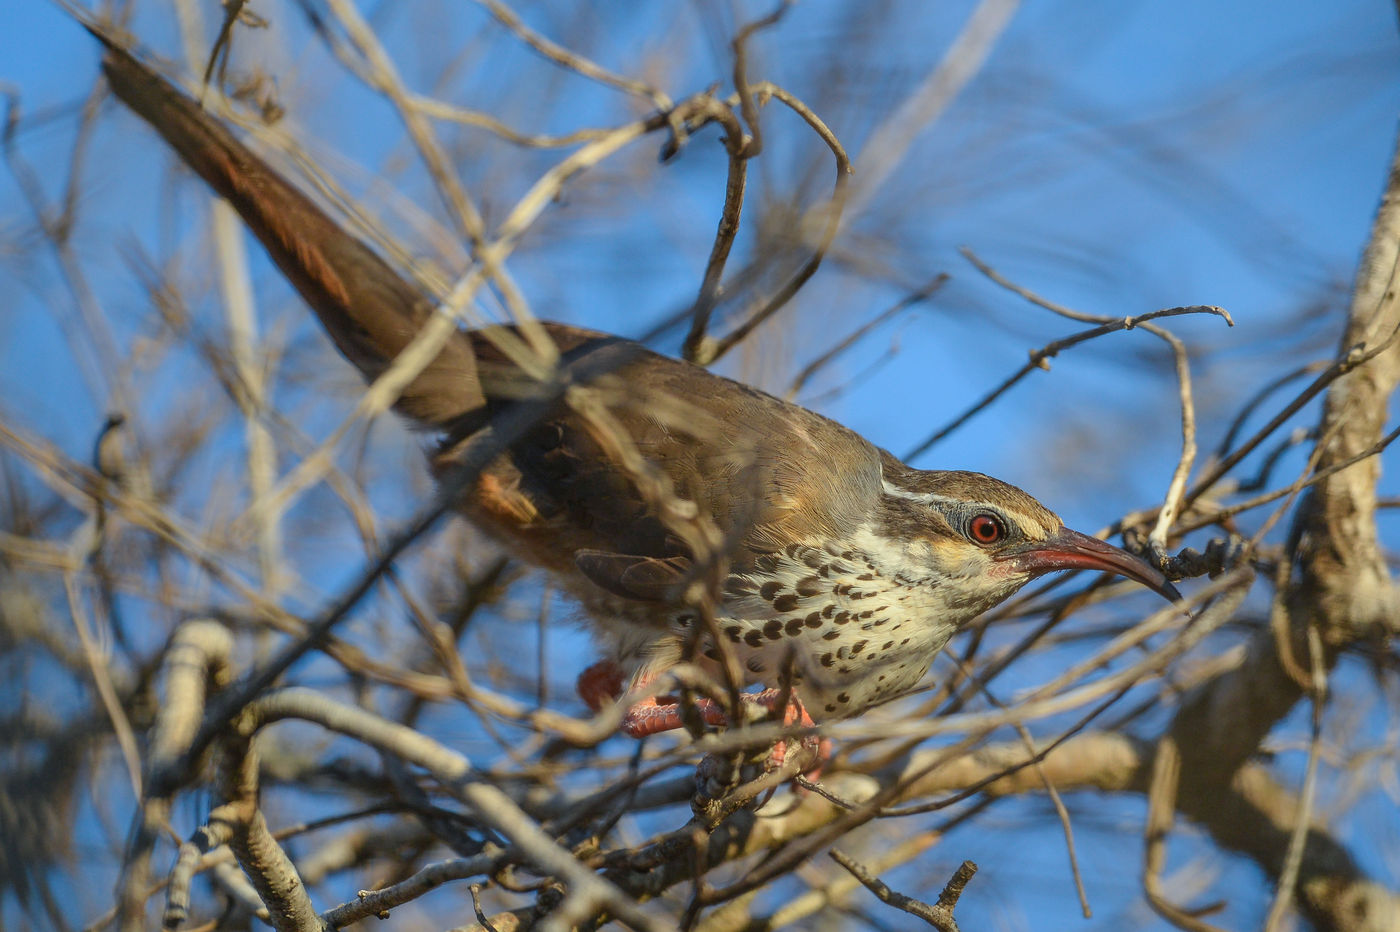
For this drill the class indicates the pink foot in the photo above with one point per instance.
(794, 714)
(650, 717)
(600, 685)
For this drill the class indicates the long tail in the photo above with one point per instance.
(368, 309)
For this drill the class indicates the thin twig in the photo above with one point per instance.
(451, 113)
(912, 299)
(476, 907)
(829, 214)
(1346, 363)
(1223, 512)
(1038, 360)
(747, 105)
(725, 233)
(834, 892)
(1036, 761)
(1293, 858)
(940, 915)
(1176, 488)
(379, 902)
(1262, 395)
(567, 58)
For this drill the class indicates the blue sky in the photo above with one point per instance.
(1116, 157)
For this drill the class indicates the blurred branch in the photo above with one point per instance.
(890, 142)
(912, 299)
(939, 915)
(1039, 360)
(1342, 586)
(568, 58)
(827, 217)
(196, 664)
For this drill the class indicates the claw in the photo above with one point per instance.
(602, 684)
(650, 717)
(794, 714)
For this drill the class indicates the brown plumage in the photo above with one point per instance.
(838, 560)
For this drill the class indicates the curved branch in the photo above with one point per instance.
(1342, 586)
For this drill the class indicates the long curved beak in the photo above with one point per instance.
(1071, 550)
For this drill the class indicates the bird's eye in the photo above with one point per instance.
(986, 529)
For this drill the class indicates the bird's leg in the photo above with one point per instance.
(795, 713)
(650, 717)
(602, 683)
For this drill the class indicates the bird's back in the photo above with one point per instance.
(761, 472)
(615, 489)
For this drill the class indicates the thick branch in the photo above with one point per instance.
(1343, 582)
(1342, 588)
(1253, 816)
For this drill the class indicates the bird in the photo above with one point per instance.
(835, 573)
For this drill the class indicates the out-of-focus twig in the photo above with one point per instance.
(938, 915)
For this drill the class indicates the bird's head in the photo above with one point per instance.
(980, 539)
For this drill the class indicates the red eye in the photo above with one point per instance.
(986, 529)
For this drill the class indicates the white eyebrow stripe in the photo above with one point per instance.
(923, 498)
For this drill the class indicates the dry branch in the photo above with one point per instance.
(560, 832)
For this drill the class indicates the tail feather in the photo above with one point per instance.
(368, 309)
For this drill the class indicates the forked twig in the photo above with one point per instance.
(1161, 808)
(903, 304)
(938, 915)
(567, 58)
(1038, 360)
(830, 213)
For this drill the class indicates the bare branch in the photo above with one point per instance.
(1038, 360)
(940, 916)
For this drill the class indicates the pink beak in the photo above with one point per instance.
(1071, 550)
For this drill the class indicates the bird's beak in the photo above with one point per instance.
(1071, 550)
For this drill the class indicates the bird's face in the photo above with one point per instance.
(980, 540)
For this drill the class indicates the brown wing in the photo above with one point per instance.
(766, 472)
(641, 579)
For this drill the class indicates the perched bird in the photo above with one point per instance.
(837, 572)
